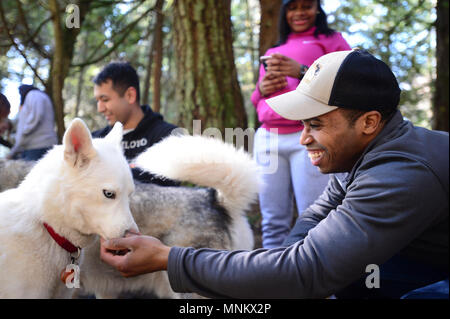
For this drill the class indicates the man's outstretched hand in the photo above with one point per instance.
(135, 255)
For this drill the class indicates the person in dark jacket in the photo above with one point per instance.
(5, 124)
(117, 93)
(379, 230)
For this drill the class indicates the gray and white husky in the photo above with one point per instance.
(76, 191)
(183, 216)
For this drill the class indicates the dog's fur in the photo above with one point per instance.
(179, 216)
(65, 190)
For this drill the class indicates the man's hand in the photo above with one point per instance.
(135, 255)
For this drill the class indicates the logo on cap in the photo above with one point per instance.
(317, 69)
(311, 73)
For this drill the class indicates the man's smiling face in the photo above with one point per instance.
(114, 106)
(333, 144)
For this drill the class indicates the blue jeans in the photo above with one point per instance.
(438, 290)
(34, 154)
(398, 276)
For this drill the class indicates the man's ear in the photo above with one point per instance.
(116, 134)
(131, 95)
(370, 122)
(77, 141)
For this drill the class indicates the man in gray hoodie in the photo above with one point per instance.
(35, 133)
(380, 229)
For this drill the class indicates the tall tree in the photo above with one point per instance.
(158, 56)
(441, 96)
(268, 35)
(154, 53)
(45, 35)
(27, 35)
(207, 86)
(64, 39)
(399, 32)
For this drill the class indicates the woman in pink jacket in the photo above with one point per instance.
(287, 171)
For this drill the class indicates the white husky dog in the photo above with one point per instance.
(179, 216)
(76, 191)
(183, 216)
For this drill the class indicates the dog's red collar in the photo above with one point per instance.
(63, 242)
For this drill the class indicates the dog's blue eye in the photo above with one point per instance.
(109, 194)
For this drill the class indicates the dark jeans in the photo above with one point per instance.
(398, 276)
(438, 290)
(34, 154)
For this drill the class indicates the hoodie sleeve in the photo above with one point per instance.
(331, 198)
(28, 119)
(374, 222)
(33, 111)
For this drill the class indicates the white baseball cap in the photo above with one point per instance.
(352, 79)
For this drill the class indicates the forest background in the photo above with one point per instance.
(199, 59)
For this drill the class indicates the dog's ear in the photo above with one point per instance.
(78, 148)
(116, 134)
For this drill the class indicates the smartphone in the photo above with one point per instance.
(263, 60)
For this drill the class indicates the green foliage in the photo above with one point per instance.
(109, 33)
(245, 17)
(3, 69)
(400, 33)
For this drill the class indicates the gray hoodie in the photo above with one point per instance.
(394, 200)
(36, 123)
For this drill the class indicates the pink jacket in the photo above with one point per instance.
(305, 49)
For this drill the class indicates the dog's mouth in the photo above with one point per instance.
(123, 252)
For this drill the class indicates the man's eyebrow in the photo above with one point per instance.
(312, 119)
(101, 96)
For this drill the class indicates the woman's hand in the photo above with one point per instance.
(271, 83)
(280, 65)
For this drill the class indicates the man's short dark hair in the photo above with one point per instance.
(5, 107)
(122, 75)
(352, 115)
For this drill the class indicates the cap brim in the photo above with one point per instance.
(297, 106)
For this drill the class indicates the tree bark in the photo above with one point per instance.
(441, 96)
(57, 71)
(207, 87)
(65, 39)
(146, 89)
(268, 35)
(157, 56)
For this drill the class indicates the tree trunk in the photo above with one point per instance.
(268, 30)
(249, 31)
(441, 96)
(146, 89)
(57, 68)
(207, 87)
(80, 81)
(252, 116)
(65, 39)
(268, 34)
(157, 56)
